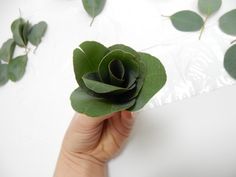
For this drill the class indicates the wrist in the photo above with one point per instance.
(77, 164)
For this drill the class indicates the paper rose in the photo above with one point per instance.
(114, 79)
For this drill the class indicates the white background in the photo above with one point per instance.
(192, 138)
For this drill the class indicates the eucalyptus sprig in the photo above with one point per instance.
(114, 78)
(22, 33)
(227, 25)
(190, 21)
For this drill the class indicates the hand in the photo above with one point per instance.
(90, 143)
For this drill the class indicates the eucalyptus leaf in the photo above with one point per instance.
(87, 59)
(3, 74)
(187, 21)
(7, 50)
(25, 32)
(227, 22)
(95, 107)
(37, 32)
(17, 28)
(128, 60)
(208, 7)
(230, 61)
(94, 7)
(155, 79)
(16, 68)
(97, 86)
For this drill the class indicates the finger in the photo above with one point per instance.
(84, 122)
(122, 125)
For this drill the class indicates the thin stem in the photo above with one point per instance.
(27, 50)
(166, 16)
(203, 27)
(92, 21)
(35, 49)
(20, 13)
(234, 41)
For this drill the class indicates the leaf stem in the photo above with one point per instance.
(166, 16)
(203, 27)
(20, 13)
(234, 41)
(92, 21)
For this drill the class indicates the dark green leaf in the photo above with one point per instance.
(37, 32)
(129, 61)
(7, 50)
(227, 22)
(87, 59)
(155, 79)
(92, 82)
(25, 32)
(17, 28)
(187, 21)
(125, 49)
(93, 7)
(208, 7)
(116, 72)
(94, 107)
(3, 74)
(16, 68)
(230, 61)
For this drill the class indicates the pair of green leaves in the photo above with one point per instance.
(190, 21)
(114, 79)
(227, 24)
(93, 7)
(22, 32)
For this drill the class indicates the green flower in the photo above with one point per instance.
(114, 79)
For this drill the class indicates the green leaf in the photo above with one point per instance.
(93, 7)
(17, 28)
(87, 59)
(37, 32)
(227, 22)
(7, 50)
(155, 79)
(125, 49)
(95, 107)
(187, 21)
(25, 32)
(116, 72)
(129, 61)
(92, 82)
(3, 74)
(230, 61)
(208, 7)
(16, 68)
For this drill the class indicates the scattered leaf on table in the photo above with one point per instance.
(208, 7)
(3, 74)
(230, 61)
(93, 7)
(25, 32)
(227, 22)
(16, 69)
(7, 50)
(37, 32)
(187, 21)
(17, 28)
